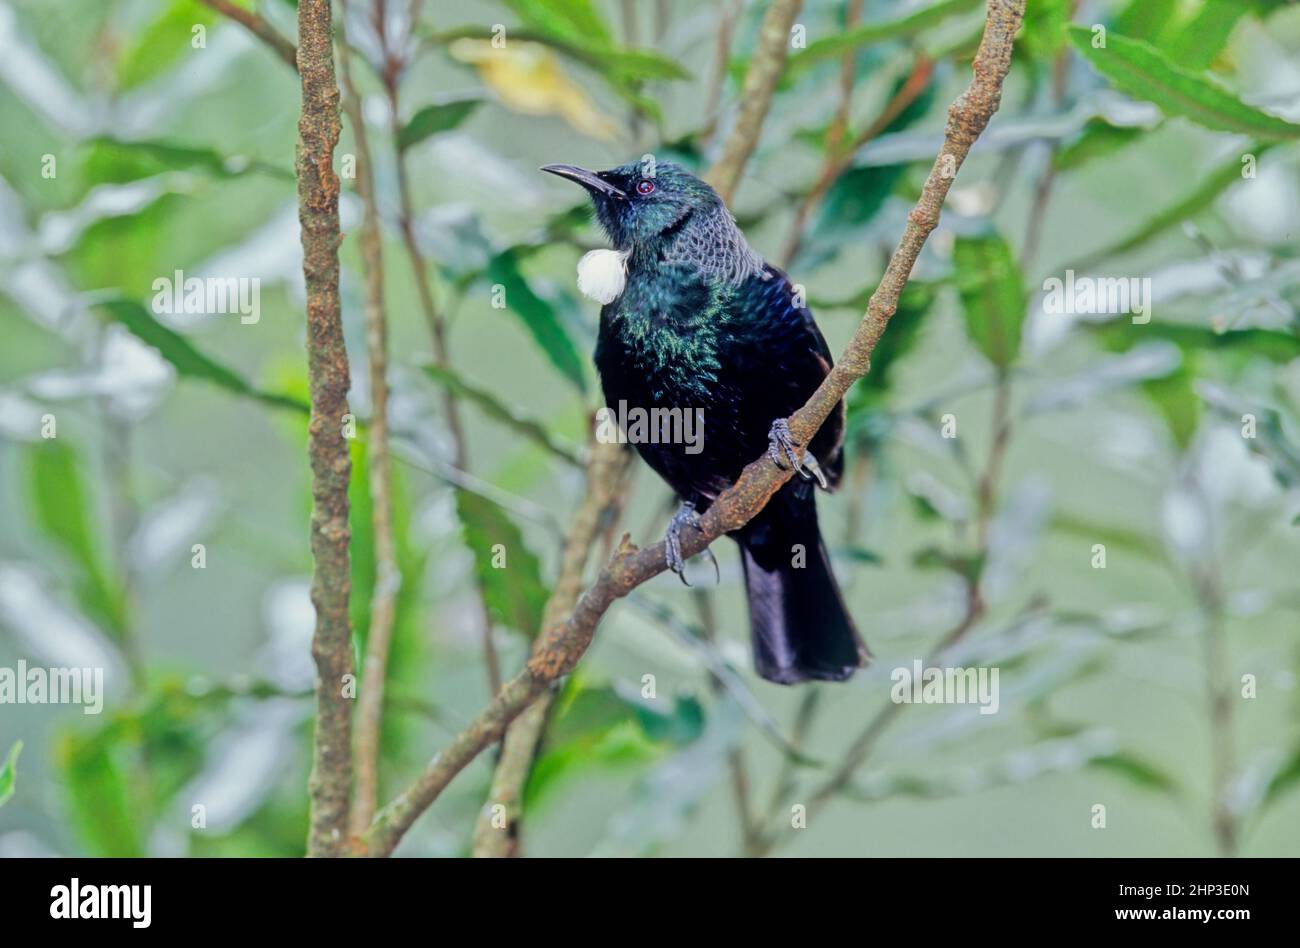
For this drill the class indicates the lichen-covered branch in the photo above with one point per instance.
(383, 600)
(765, 68)
(258, 27)
(327, 365)
(607, 466)
(563, 643)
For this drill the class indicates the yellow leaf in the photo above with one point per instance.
(528, 78)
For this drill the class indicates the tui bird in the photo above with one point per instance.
(693, 319)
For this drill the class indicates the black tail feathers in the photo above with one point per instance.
(801, 630)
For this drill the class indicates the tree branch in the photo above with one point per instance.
(607, 466)
(765, 69)
(327, 364)
(562, 644)
(258, 27)
(383, 600)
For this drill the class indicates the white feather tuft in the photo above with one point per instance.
(602, 275)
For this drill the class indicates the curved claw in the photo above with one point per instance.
(717, 570)
(685, 516)
(781, 442)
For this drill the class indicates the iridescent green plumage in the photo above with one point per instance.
(704, 327)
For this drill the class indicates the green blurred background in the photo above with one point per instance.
(169, 156)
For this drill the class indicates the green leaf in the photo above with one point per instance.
(968, 566)
(1172, 395)
(105, 811)
(498, 411)
(1136, 771)
(681, 724)
(1286, 779)
(859, 554)
(662, 802)
(538, 316)
(1043, 35)
(575, 20)
(835, 46)
(1175, 398)
(708, 656)
(621, 64)
(1191, 34)
(857, 195)
(1212, 185)
(1195, 43)
(124, 776)
(433, 119)
(1098, 139)
(853, 200)
(590, 726)
(162, 43)
(1134, 541)
(869, 394)
(62, 508)
(631, 64)
(992, 296)
(514, 591)
(1141, 71)
(619, 745)
(187, 360)
(9, 772)
(115, 159)
(1271, 344)
(1144, 19)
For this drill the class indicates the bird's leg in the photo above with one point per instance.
(685, 517)
(781, 443)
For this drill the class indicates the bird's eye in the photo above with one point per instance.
(645, 186)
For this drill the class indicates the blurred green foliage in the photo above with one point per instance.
(1167, 152)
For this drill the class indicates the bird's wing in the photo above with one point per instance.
(778, 358)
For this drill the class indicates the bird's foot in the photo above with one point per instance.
(781, 447)
(685, 517)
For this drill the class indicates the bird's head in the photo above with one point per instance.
(642, 202)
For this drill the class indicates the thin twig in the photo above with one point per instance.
(387, 580)
(256, 25)
(562, 644)
(736, 764)
(393, 67)
(1219, 705)
(839, 157)
(848, 77)
(327, 364)
(1043, 190)
(725, 29)
(804, 717)
(765, 69)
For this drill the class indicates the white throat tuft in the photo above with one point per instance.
(602, 275)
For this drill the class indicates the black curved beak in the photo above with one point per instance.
(590, 180)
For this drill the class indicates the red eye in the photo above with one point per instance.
(645, 186)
